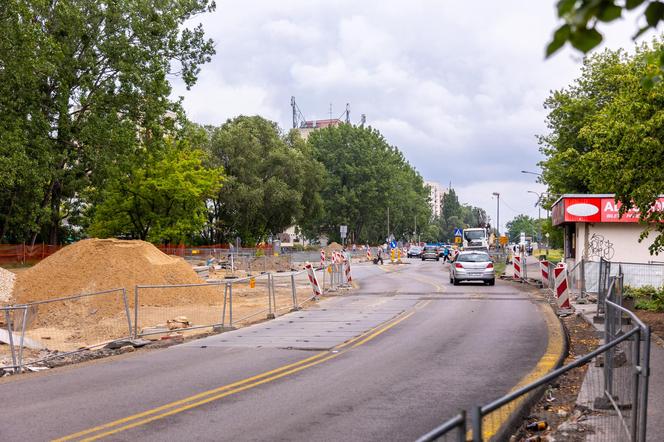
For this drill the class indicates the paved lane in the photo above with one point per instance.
(446, 348)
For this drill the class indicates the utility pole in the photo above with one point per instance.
(416, 228)
(388, 223)
(497, 195)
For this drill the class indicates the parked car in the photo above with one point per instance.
(472, 266)
(430, 252)
(414, 252)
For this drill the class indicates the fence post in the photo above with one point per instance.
(270, 315)
(21, 341)
(126, 306)
(463, 428)
(230, 304)
(476, 416)
(645, 375)
(636, 360)
(223, 309)
(293, 291)
(136, 311)
(8, 321)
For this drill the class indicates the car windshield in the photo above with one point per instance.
(473, 257)
(474, 234)
(429, 249)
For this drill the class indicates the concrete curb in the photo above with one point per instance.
(556, 332)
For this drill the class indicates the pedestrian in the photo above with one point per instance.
(446, 255)
(379, 257)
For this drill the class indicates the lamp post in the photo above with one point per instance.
(497, 195)
(532, 173)
(539, 212)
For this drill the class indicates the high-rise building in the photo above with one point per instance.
(436, 192)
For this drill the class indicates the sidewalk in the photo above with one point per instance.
(655, 385)
(655, 423)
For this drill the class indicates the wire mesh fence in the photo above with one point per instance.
(58, 327)
(615, 386)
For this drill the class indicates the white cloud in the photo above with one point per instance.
(457, 86)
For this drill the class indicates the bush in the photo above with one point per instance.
(646, 298)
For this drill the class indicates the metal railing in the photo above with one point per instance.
(617, 393)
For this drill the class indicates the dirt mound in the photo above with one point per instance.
(95, 265)
(333, 247)
(7, 280)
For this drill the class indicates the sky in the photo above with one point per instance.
(458, 87)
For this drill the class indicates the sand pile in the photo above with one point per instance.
(7, 280)
(94, 265)
(333, 247)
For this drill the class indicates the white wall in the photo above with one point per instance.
(614, 241)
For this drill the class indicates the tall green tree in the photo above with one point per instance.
(366, 178)
(83, 89)
(161, 200)
(522, 223)
(272, 181)
(607, 136)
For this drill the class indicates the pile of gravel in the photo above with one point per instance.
(7, 280)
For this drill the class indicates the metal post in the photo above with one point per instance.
(20, 348)
(270, 283)
(8, 321)
(636, 359)
(135, 311)
(476, 417)
(126, 306)
(294, 291)
(223, 309)
(230, 304)
(645, 374)
(461, 434)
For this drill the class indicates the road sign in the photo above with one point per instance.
(393, 244)
(343, 230)
(458, 232)
(457, 239)
(503, 240)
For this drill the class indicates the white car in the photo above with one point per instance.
(472, 266)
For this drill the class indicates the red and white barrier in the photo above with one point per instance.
(562, 289)
(544, 270)
(368, 254)
(516, 263)
(313, 280)
(349, 278)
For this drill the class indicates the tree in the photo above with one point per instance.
(272, 181)
(606, 136)
(162, 200)
(581, 19)
(522, 223)
(365, 178)
(83, 89)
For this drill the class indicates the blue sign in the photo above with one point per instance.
(393, 244)
(458, 232)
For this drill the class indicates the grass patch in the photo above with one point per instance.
(553, 255)
(499, 267)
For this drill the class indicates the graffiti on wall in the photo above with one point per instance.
(600, 247)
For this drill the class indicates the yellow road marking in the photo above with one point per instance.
(229, 389)
(492, 422)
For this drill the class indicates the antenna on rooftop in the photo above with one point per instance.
(297, 114)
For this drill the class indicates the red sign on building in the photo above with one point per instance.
(595, 209)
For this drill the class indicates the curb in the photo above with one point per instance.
(555, 332)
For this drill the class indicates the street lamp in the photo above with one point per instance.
(531, 173)
(497, 195)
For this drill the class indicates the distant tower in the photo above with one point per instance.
(294, 107)
(347, 113)
(363, 119)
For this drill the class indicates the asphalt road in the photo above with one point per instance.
(443, 348)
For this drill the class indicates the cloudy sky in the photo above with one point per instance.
(457, 86)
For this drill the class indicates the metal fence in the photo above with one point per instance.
(617, 392)
(42, 330)
(62, 326)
